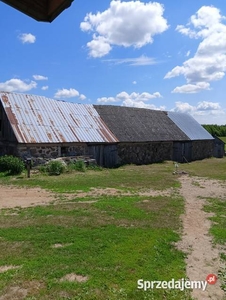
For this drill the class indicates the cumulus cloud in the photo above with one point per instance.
(17, 85)
(27, 38)
(45, 87)
(132, 100)
(204, 111)
(82, 97)
(141, 104)
(68, 93)
(40, 77)
(205, 106)
(131, 23)
(192, 88)
(209, 61)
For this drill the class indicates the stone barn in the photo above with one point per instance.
(41, 128)
(200, 144)
(146, 136)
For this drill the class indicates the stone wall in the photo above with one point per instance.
(202, 149)
(42, 153)
(144, 153)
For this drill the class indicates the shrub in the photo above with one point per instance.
(11, 164)
(42, 169)
(55, 167)
(80, 166)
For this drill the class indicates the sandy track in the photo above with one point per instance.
(203, 258)
(11, 197)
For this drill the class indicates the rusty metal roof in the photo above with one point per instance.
(37, 119)
(40, 10)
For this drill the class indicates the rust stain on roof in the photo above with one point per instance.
(39, 119)
(5, 99)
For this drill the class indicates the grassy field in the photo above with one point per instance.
(156, 176)
(109, 241)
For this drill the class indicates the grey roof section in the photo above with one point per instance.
(131, 124)
(189, 126)
(37, 119)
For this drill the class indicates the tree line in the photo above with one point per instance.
(218, 130)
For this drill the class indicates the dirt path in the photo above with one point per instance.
(203, 258)
(11, 197)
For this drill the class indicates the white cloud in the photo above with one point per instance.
(192, 88)
(82, 97)
(17, 85)
(106, 100)
(209, 61)
(131, 23)
(133, 100)
(40, 77)
(27, 38)
(134, 82)
(138, 61)
(64, 93)
(141, 104)
(205, 105)
(45, 87)
(98, 46)
(184, 107)
(188, 53)
(204, 112)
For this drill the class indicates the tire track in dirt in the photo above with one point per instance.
(202, 257)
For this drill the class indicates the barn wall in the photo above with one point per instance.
(8, 143)
(202, 149)
(218, 148)
(6, 132)
(42, 152)
(104, 154)
(8, 148)
(182, 151)
(144, 153)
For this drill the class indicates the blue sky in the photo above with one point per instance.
(168, 55)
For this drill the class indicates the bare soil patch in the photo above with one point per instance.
(202, 257)
(97, 192)
(74, 277)
(11, 197)
(6, 268)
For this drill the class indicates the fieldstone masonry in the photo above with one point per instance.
(144, 153)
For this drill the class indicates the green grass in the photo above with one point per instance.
(213, 168)
(156, 176)
(218, 229)
(114, 241)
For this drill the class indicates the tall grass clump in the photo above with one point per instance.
(79, 165)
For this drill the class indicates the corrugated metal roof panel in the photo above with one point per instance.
(37, 119)
(189, 126)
